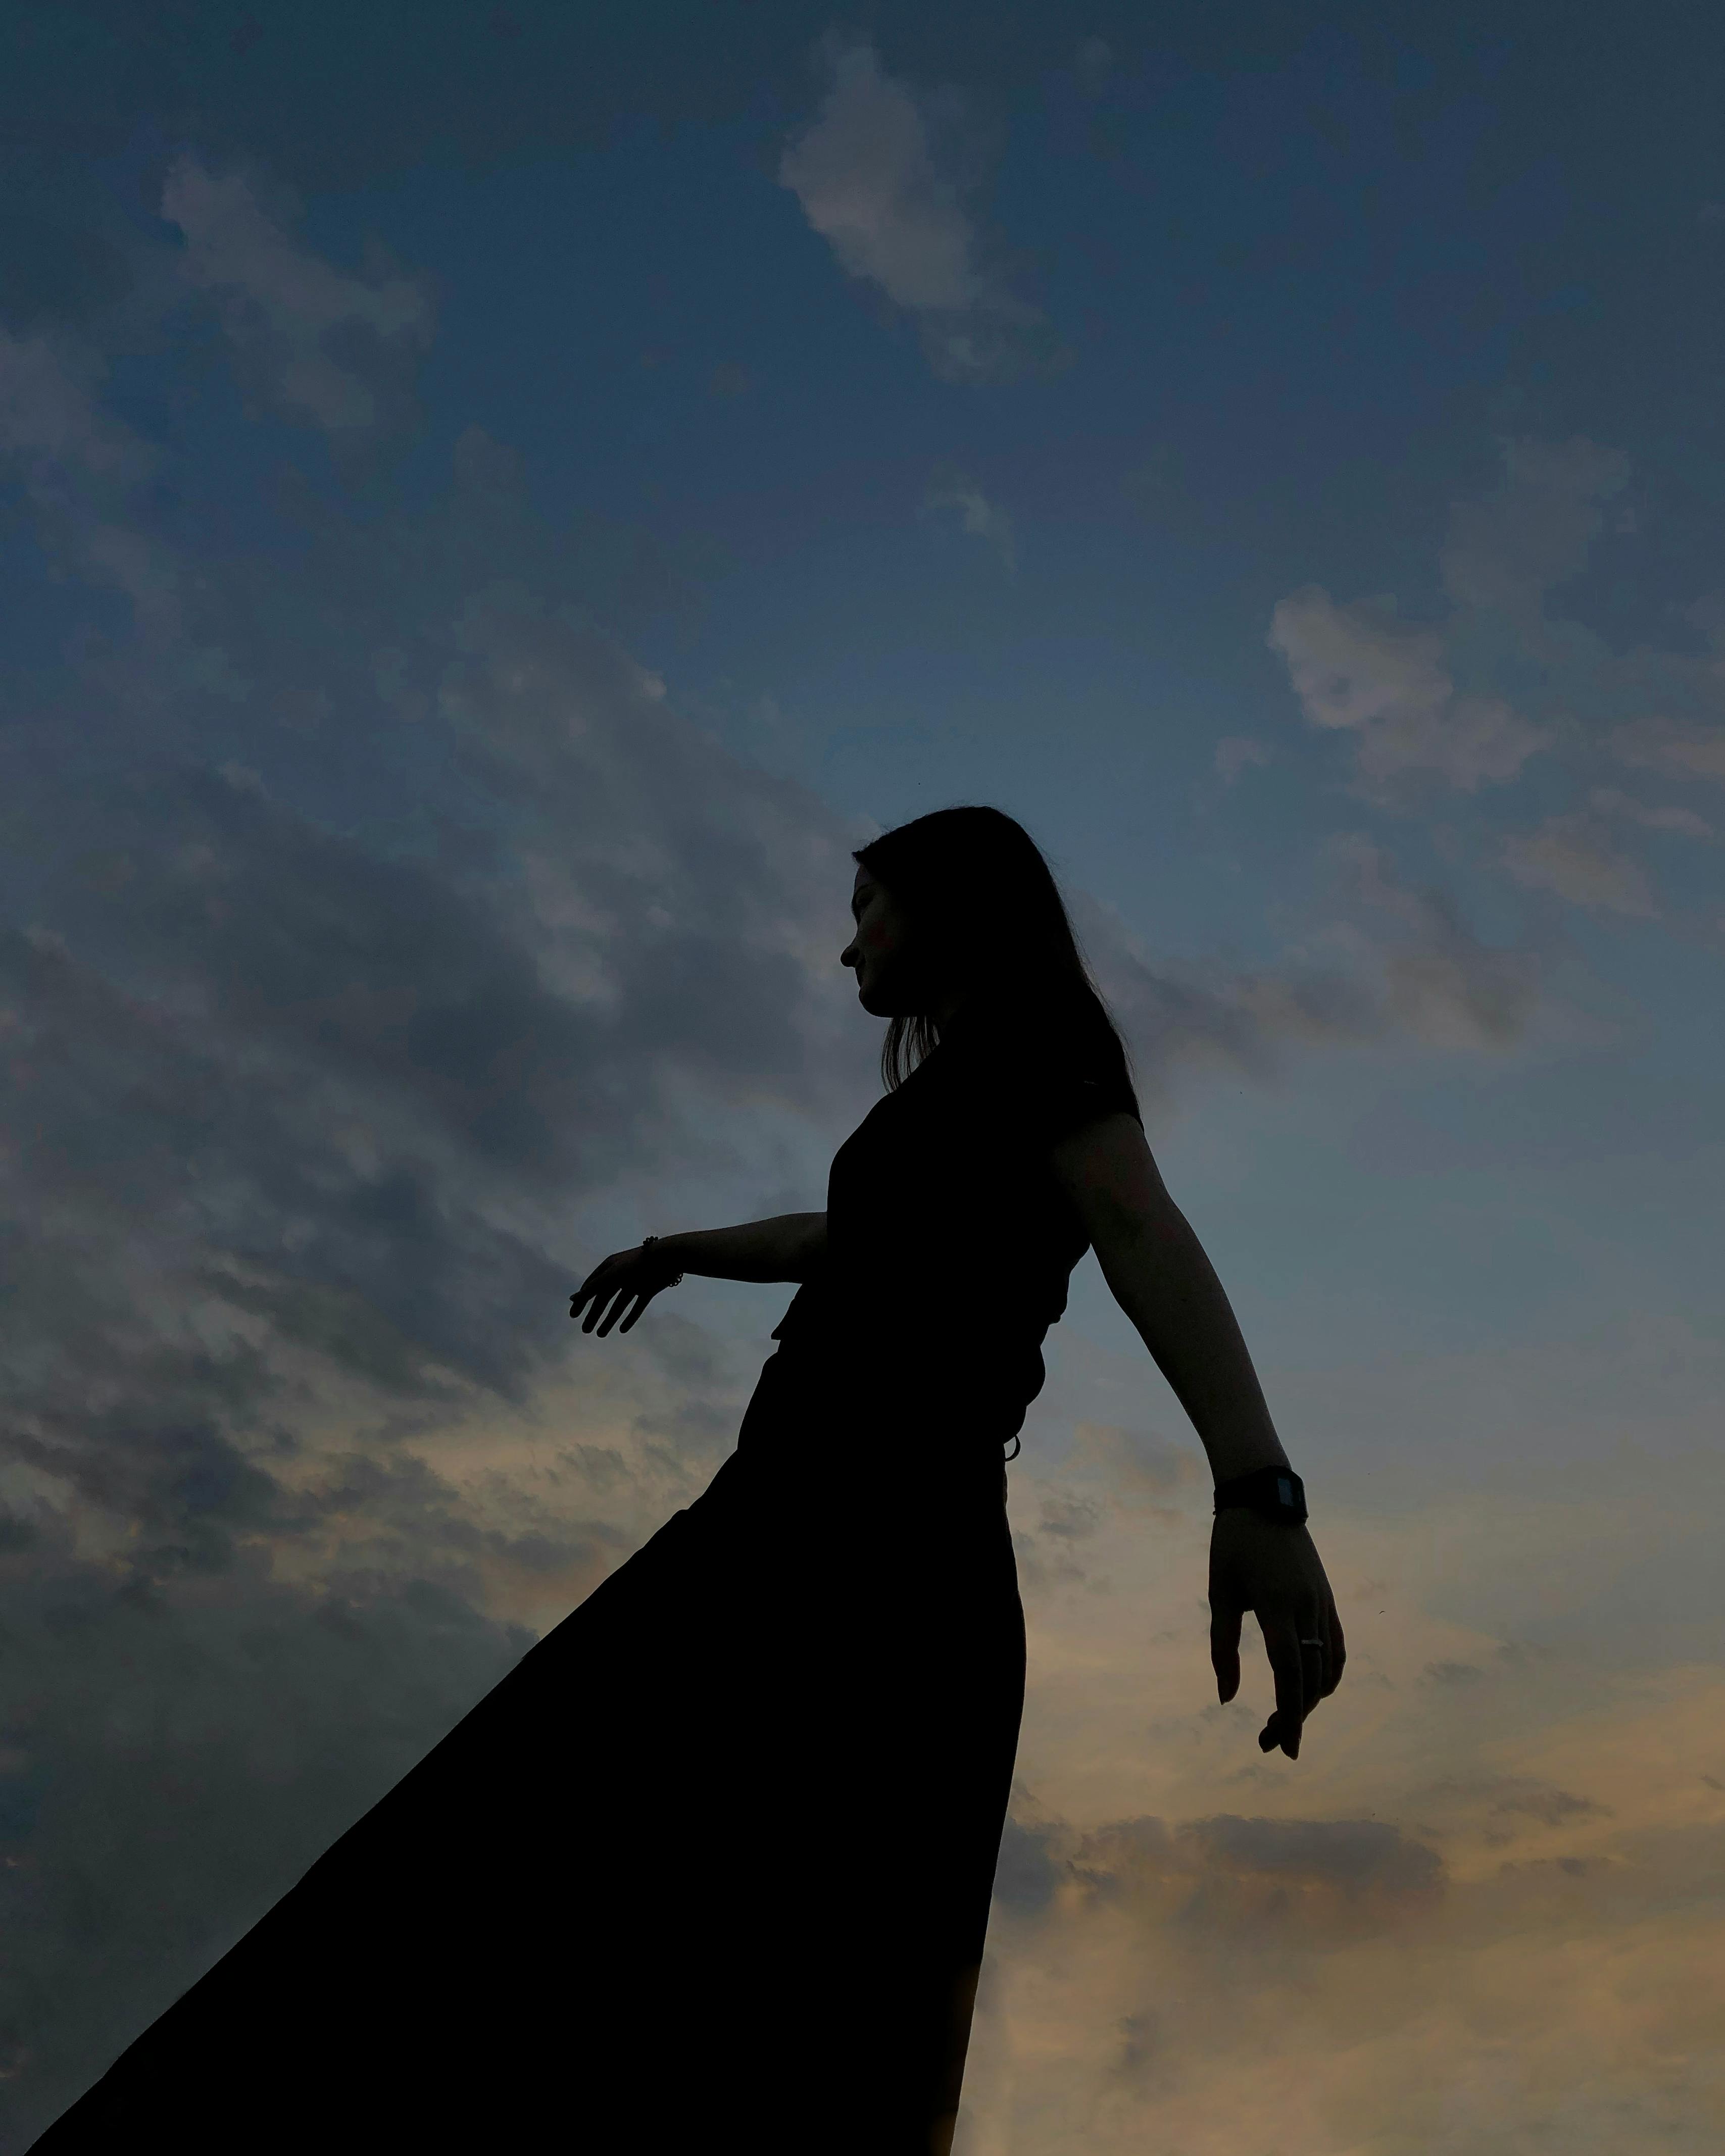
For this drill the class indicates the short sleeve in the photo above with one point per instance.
(1066, 1101)
(1068, 1084)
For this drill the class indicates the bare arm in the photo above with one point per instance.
(789, 1247)
(1158, 1272)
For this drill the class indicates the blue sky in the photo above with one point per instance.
(497, 504)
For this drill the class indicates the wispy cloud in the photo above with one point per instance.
(81, 466)
(1507, 548)
(323, 345)
(953, 497)
(1395, 962)
(1573, 857)
(428, 946)
(1357, 669)
(319, 1105)
(869, 176)
(1235, 752)
(1679, 749)
(1194, 1945)
(1434, 701)
(324, 1108)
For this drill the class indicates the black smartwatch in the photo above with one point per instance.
(1274, 1493)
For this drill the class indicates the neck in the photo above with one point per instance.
(960, 1011)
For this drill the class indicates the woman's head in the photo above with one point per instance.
(959, 909)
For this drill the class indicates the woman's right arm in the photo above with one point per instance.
(789, 1247)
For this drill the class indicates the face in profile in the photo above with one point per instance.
(881, 953)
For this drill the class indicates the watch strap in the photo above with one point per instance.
(1277, 1493)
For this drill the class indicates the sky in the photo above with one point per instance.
(495, 505)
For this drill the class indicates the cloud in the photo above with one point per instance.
(1428, 977)
(426, 945)
(1237, 1980)
(1227, 1873)
(1507, 549)
(172, 1760)
(1608, 801)
(1442, 981)
(1475, 1914)
(1681, 750)
(324, 346)
(426, 938)
(1235, 752)
(1357, 669)
(81, 467)
(50, 421)
(425, 928)
(958, 497)
(1471, 698)
(870, 182)
(1573, 857)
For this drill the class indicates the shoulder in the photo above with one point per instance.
(1052, 1065)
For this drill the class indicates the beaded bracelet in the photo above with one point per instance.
(647, 1245)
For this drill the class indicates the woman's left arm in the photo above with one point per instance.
(1159, 1273)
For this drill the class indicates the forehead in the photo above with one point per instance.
(863, 884)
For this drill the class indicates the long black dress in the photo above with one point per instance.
(711, 1867)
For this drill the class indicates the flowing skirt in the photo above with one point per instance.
(711, 1867)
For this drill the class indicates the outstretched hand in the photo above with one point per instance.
(1273, 1569)
(626, 1277)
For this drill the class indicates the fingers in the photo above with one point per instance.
(1314, 1670)
(600, 1296)
(1323, 1653)
(1224, 1645)
(591, 1292)
(594, 1295)
(620, 1300)
(1339, 1649)
(1306, 1661)
(1281, 1642)
(606, 1298)
(1278, 1576)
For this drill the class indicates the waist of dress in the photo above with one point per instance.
(814, 1420)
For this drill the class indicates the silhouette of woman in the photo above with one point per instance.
(711, 1868)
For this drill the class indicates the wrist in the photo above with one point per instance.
(663, 1247)
(1273, 1491)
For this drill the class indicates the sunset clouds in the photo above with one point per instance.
(1485, 1898)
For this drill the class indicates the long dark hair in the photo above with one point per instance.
(987, 912)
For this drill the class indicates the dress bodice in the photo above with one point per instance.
(950, 1244)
